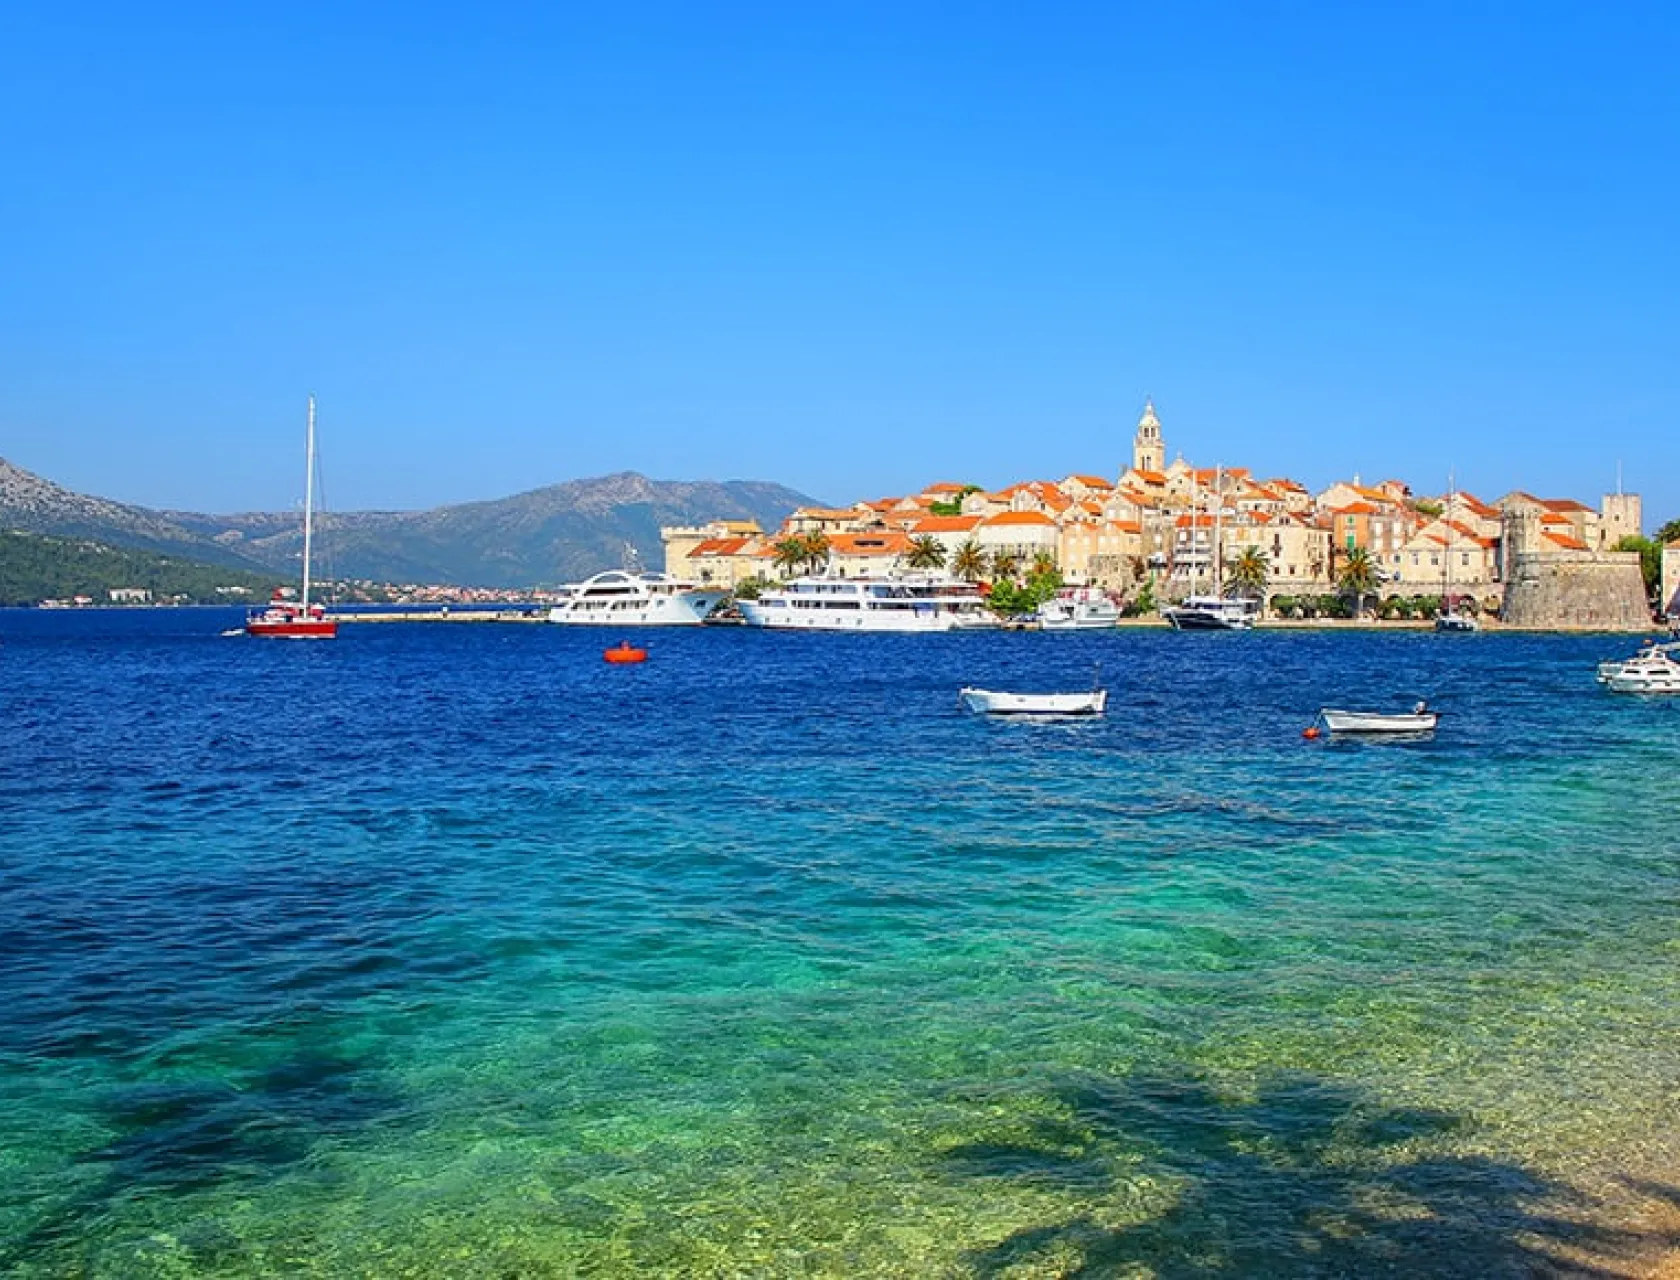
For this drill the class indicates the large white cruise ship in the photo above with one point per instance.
(870, 604)
(619, 599)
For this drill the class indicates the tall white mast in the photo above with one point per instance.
(308, 501)
(1218, 513)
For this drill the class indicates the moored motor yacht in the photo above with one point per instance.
(1213, 613)
(620, 599)
(1078, 609)
(1651, 672)
(1647, 647)
(905, 604)
(1456, 622)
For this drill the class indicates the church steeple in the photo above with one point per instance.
(1148, 452)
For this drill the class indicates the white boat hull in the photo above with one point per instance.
(1653, 674)
(1090, 611)
(993, 703)
(1212, 613)
(686, 610)
(786, 619)
(1372, 722)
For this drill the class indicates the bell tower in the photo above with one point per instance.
(1148, 453)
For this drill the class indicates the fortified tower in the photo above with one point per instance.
(1552, 588)
(1622, 517)
(1148, 453)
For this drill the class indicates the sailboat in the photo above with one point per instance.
(1216, 612)
(301, 620)
(1449, 620)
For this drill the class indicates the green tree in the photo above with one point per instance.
(789, 554)
(1250, 573)
(1670, 532)
(1005, 565)
(816, 552)
(1650, 559)
(969, 563)
(1145, 602)
(926, 552)
(1358, 577)
(953, 507)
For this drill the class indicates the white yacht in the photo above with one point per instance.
(1651, 672)
(870, 604)
(1078, 609)
(1213, 613)
(619, 599)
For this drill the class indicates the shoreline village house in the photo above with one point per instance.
(1156, 521)
(1024, 534)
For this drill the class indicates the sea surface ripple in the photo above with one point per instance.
(452, 950)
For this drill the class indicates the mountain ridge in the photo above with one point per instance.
(539, 537)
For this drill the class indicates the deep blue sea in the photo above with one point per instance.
(450, 950)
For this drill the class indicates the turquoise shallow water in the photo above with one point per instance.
(450, 950)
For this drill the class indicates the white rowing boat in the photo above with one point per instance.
(992, 703)
(1419, 720)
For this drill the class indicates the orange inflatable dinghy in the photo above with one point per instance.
(624, 652)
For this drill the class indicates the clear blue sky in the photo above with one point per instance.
(852, 247)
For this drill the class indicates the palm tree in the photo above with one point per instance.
(1005, 565)
(1043, 565)
(926, 552)
(969, 563)
(1358, 577)
(1250, 573)
(816, 551)
(790, 553)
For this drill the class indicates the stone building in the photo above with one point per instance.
(1553, 586)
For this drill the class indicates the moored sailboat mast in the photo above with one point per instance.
(308, 501)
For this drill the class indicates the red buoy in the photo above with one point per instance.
(624, 652)
(1311, 731)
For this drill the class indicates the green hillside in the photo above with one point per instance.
(35, 567)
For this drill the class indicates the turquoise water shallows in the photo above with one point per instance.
(451, 950)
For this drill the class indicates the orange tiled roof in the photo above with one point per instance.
(719, 547)
(1093, 482)
(1018, 518)
(868, 544)
(1355, 509)
(1564, 504)
(1150, 477)
(944, 486)
(1565, 541)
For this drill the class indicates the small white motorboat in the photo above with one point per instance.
(1460, 623)
(1651, 672)
(1614, 667)
(992, 703)
(1420, 719)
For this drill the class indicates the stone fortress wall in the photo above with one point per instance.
(1557, 590)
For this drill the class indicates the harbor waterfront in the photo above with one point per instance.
(455, 951)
